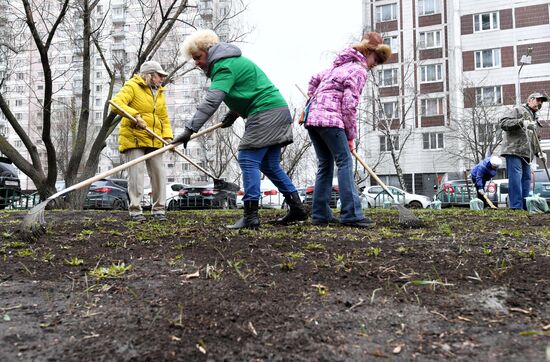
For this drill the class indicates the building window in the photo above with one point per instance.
(19, 103)
(431, 107)
(488, 58)
(432, 140)
(428, 7)
(20, 76)
(430, 73)
(98, 116)
(18, 116)
(388, 110)
(386, 13)
(393, 43)
(429, 39)
(488, 96)
(386, 145)
(487, 21)
(98, 74)
(388, 77)
(98, 88)
(18, 144)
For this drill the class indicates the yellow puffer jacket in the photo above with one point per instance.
(135, 97)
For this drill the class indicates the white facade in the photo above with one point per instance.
(418, 45)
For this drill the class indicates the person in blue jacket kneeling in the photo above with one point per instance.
(483, 172)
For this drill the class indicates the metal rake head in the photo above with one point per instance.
(34, 225)
(407, 218)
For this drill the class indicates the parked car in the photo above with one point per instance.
(541, 184)
(10, 186)
(497, 191)
(108, 193)
(203, 196)
(334, 195)
(364, 202)
(172, 190)
(456, 193)
(376, 197)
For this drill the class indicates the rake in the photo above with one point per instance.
(219, 184)
(34, 225)
(406, 217)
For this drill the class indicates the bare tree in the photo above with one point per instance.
(477, 129)
(79, 145)
(390, 117)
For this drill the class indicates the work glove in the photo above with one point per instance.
(351, 145)
(542, 156)
(527, 124)
(481, 192)
(183, 137)
(140, 123)
(229, 118)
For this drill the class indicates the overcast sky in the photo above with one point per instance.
(295, 39)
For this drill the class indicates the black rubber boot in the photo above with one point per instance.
(296, 212)
(250, 219)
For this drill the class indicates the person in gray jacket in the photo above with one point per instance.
(519, 146)
(248, 93)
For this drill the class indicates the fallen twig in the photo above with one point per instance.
(361, 301)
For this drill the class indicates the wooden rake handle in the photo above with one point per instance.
(152, 133)
(372, 174)
(491, 205)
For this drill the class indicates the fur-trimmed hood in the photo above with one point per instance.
(221, 51)
(349, 55)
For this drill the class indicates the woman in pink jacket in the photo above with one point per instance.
(331, 124)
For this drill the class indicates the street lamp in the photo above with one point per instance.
(525, 59)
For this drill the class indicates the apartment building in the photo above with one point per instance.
(451, 58)
(120, 37)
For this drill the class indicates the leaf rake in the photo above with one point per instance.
(34, 224)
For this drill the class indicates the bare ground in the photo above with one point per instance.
(468, 286)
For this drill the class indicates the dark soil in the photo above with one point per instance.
(469, 286)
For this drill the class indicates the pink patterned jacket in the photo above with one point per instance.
(336, 93)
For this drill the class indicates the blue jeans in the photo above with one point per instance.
(331, 145)
(266, 160)
(519, 181)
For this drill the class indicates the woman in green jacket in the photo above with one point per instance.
(248, 93)
(143, 97)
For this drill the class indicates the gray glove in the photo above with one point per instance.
(542, 156)
(229, 118)
(529, 125)
(183, 137)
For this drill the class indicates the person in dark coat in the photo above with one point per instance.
(520, 146)
(483, 172)
(248, 93)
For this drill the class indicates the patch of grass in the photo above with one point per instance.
(511, 232)
(313, 246)
(446, 229)
(213, 272)
(113, 271)
(74, 261)
(486, 249)
(373, 251)
(186, 245)
(530, 254)
(387, 233)
(84, 234)
(25, 252)
(288, 265)
(18, 244)
(294, 254)
(48, 257)
(403, 249)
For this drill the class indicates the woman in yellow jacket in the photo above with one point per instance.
(143, 97)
